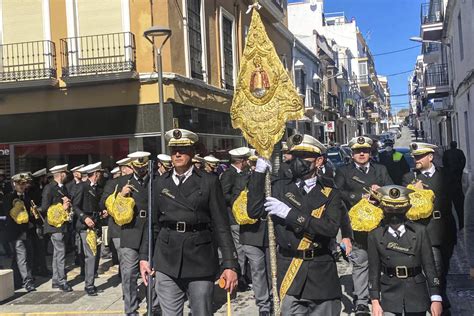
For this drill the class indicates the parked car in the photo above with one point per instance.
(338, 156)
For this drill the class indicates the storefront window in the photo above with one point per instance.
(32, 157)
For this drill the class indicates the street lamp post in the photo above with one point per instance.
(153, 35)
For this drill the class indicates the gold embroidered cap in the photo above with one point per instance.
(211, 160)
(139, 159)
(418, 149)
(394, 196)
(22, 177)
(197, 159)
(165, 160)
(360, 142)
(305, 143)
(180, 138)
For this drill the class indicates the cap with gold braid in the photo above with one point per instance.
(22, 177)
(360, 142)
(197, 159)
(418, 149)
(139, 159)
(394, 197)
(306, 143)
(213, 161)
(180, 138)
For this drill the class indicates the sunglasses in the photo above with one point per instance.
(362, 150)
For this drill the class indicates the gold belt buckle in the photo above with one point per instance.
(436, 214)
(401, 272)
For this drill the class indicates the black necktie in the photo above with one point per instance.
(363, 169)
(180, 179)
(427, 174)
(397, 234)
(301, 187)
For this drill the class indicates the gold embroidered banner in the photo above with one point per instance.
(265, 98)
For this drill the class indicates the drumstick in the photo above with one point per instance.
(222, 285)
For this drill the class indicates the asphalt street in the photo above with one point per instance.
(47, 301)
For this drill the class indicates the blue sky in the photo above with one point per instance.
(390, 24)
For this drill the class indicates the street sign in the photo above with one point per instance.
(329, 127)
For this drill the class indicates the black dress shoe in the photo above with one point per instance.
(264, 314)
(91, 291)
(65, 287)
(55, 286)
(29, 286)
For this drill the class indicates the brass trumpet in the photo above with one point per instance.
(34, 211)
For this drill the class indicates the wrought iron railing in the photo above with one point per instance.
(436, 75)
(432, 12)
(365, 80)
(98, 54)
(315, 99)
(27, 61)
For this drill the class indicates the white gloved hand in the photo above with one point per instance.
(263, 165)
(276, 207)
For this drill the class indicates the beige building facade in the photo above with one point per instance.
(78, 81)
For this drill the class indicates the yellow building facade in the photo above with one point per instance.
(78, 80)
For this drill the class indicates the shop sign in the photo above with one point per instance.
(4, 150)
(329, 127)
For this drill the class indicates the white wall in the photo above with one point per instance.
(463, 121)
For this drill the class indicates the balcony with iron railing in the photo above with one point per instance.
(315, 100)
(436, 79)
(97, 58)
(27, 65)
(432, 18)
(366, 83)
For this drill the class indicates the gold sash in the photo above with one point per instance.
(304, 244)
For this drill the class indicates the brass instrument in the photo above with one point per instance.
(34, 211)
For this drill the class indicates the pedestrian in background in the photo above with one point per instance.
(454, 162)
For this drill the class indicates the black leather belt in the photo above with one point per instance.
(303, 254)
(401, 272)
(183, 227)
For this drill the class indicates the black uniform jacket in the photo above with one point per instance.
(193, 254)
(251, 234)
(316, 279)
(53, 194)
(114, 229)
(131, 234)
(228, 179)
(14, 231)
(413, 249)
(88, 204)
(351, 183)
(441, 230)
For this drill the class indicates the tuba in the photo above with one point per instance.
(18, 212)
